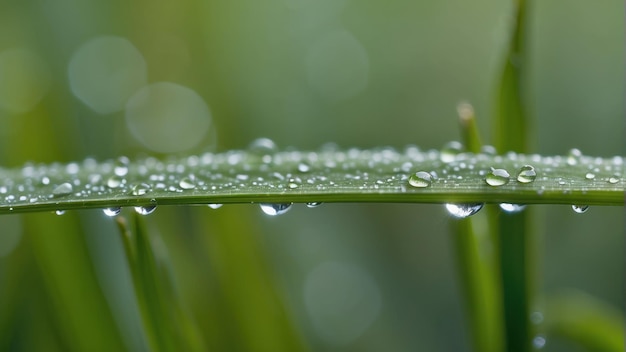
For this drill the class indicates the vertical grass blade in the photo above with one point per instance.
(586, 321)
(476, 263)
(514, 242)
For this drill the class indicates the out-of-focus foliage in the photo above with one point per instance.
(80, 79)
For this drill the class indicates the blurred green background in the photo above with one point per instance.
(348, 277)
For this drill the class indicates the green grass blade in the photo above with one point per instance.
(476, 262)
(585, 320)
(514, 241)
(352, 175)
(61, 254)
(480, 285)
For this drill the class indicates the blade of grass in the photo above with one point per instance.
(480, 287)
(585, 320)
(62, 257)
(475, 261)
(353, 175)
(513, 238)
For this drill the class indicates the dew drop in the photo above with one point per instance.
(526, 174)
(313, 204)
(613, 180)
(580, 208)
(275, 209)
(463, 210)
(303, 167)
(114, 211)
(114, 181)
(539, 342)
(421, 179)
(59, 212)
(512, 208)
(145, 210)
(590, 176)
(574, 156)
(263, 146)
(120, 167)
(488, 149)
(450, 150)
(214, 205)
(62, 189)
(187, 183)
(140, 189)
(497, 177)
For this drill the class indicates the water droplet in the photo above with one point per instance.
(450, 150)
(120, 167)
(526, 174)
(263, 146)
(112, 211)
(145, 210)
(214, 205)
(62, 189)
(187, 183)
(313, 204)
(59, 212)
(488, 149)
(536, 318)
(539, 342)
(590, 176)
(275, 209)
(463, 210)
(497, 177)
(421, 179)
(304, 167)
(140, 189)
(114, 181)
(580, 208)
(512, 208)
(613, 180)
(574, 156)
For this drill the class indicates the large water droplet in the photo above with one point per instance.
(539, 342)
(187, 183)
(304, 167)
(580, 208)
(214, 205)
(574, 156)
(421, 179)
(497, 177)
(145, 210)
(488, 149)
(613, 180)
(512, 208)
(114, 181)
(450, 150)
(112, 211)
(120, 167)
(62, 189)
(263, 146)
(59, 212)
(463, 210)
(590, 176)
(526, 174)
(275, 209)
(313, 204)
(140, 189)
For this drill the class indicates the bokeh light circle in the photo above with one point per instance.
(167, 117)
(337, 66)
(105, 71)
(342, 301)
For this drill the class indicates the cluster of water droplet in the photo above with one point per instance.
(264, 169)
